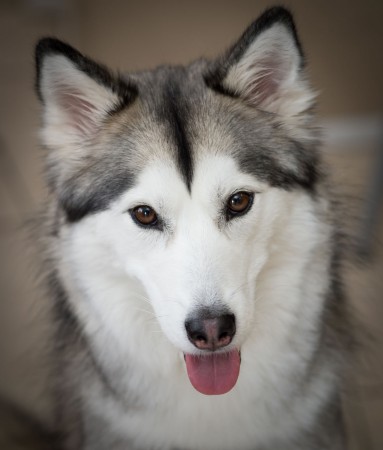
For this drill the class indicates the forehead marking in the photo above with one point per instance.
(176, 113)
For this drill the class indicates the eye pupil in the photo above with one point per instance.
(237, 200)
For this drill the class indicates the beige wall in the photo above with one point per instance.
(343, 40)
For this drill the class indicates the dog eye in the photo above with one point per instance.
(144, 215)
(239, 204)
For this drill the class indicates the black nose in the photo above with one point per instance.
(210, 332)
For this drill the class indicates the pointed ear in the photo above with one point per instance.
(77, 93)
(266, 67)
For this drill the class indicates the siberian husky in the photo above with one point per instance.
(192, 254)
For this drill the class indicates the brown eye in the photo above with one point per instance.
(239, 203)
(144, 215)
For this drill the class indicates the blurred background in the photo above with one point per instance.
(343, 41)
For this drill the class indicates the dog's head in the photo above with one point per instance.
(183, 180)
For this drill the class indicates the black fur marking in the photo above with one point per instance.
(175, 113)
(263, 165)
(263, 150)
(78, 202)
(126, 91)
(215, 76)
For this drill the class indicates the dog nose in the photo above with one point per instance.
(211, 332)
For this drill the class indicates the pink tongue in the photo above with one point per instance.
(213, 374)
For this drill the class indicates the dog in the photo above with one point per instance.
(191, 251)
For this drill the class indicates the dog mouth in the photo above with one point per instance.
(213, 373)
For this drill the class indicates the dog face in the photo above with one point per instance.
(191, 250)
(183, 181)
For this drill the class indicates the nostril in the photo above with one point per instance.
(199, 337)
(227, 326)
(195, 330)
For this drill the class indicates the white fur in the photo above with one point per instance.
(133, 289)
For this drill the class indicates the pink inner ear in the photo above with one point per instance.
(81, 114)
(267, 80)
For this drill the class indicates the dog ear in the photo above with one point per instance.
(77, 93)
(266, 67)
